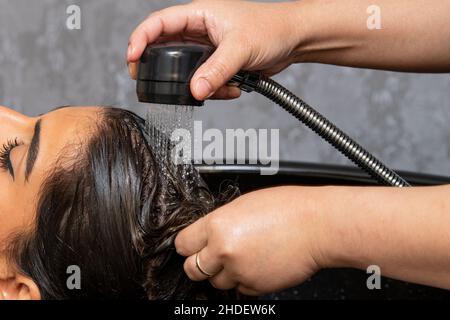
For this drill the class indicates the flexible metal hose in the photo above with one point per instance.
(323, 127)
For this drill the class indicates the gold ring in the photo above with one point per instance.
(197, 262)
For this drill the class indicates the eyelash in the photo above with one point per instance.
(5, 152)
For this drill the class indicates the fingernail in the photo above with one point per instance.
(203, 88)
(129, 70)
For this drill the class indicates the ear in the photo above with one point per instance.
(19, 287)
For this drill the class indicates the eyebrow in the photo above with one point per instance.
(33, 150)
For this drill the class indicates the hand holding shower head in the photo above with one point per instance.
(165, 71)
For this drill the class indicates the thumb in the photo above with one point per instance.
(224, 63)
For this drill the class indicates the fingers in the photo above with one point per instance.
(224, 63)
(227, 93)
(158, 24)
(192, 239)
(167, 22)
(208, 262)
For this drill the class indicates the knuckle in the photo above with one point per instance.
(214, 223)
(215, 226)
(220, 232)
(167, 11)
(156, 14)
(219, 70)
(226, 252)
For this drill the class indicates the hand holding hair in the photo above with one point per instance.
(258, 243)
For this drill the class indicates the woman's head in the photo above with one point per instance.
(81, 187)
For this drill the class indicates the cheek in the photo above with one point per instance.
(14, 213)
(5, 206)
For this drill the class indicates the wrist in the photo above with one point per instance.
(310, 26)
(328, 31)
(300, 28)
(319, 217)
(339, 238)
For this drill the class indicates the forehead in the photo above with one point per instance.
(60, 130)
(74, 114)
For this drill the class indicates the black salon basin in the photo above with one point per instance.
(333, 283)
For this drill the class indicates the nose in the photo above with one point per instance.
(13, 124)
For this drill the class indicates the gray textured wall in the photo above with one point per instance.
(402, 118)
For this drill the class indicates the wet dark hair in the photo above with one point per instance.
(108, 212)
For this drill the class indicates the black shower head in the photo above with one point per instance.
(165, 71)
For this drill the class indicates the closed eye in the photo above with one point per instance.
(5, 155)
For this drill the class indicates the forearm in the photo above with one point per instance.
(406, 232)
(414, 34)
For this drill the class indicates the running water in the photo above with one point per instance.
(161, 122)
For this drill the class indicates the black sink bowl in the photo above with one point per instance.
(332, 283)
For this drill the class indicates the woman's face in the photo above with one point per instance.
(32, 145)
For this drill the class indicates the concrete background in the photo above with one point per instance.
(401, 118)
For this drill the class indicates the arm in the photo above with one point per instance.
(414, 34)
(276, 238)
(403, 231)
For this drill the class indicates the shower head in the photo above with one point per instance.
(165, 71)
